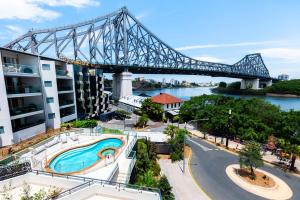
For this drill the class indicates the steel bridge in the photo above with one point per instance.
(118, 42)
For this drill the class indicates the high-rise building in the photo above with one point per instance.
(38, 93)
(283, 77)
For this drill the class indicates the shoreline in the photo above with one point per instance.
(282, 95)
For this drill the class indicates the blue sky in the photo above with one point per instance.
(220, 31)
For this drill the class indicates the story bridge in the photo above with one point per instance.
(118, 43)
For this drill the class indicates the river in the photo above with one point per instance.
(285, 103)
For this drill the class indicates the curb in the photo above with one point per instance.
(269, 163)
(198, 185)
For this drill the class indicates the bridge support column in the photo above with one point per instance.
(122, 85)
(250, 84)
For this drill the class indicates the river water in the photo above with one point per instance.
(285, 103)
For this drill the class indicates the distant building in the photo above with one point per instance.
(163, 81)
(169, 103)
(131, 103)
(283, 77)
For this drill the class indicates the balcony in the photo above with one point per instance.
(27, 122)
(63, 74)
(23, 89)
(66, 103)
(24, 111)
(16, 69)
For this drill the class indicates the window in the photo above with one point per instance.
(1, 129)
(45, 66)
(48, 83)
(51, 115)
(50, 100)
(167, 106)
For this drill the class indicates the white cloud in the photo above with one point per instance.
(141, 15)
(285, 54)
(208, 58)
(25, 9)
(38, 10)
(73, 3)
(206, 46)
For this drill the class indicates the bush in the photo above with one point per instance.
(122, 114)
(84, 123)
(165, 188)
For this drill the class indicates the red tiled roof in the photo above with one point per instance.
(164, 98)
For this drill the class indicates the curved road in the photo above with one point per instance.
(208, 164)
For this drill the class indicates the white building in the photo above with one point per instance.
(167, 101)
(283, 77)
(131, 103)
(37, 93)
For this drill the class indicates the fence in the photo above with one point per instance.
(88, 181)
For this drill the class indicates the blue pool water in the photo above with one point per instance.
(82, 157)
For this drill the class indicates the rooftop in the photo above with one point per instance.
(164, 98)
(133, 100)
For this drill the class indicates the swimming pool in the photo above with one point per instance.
(80, 158)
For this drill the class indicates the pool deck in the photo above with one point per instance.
(102, 170)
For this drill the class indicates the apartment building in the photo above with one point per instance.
(40, 93)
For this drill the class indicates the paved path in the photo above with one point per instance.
(184, 186)
(208, 168)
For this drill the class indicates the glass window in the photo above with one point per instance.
(48, 83)
(51, 115)
(45, 66)
(50, 99)
(1, 129)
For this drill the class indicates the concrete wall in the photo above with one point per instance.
(250, 84)
(29, 132)
(122, 85)
(6, 138)
(50, 75)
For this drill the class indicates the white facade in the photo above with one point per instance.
(48, 75)
(6, 136)
(34, 95)
(171, 106)
(130, 103)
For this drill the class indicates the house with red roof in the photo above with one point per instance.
(169, 102)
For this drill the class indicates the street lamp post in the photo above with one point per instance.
(229, 124)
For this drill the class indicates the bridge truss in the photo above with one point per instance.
(118, 41)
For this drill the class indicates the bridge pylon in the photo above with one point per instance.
(122, 85)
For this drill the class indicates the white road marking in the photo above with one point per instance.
(204, 148)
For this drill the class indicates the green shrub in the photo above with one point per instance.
(84, 123)
(165, 188)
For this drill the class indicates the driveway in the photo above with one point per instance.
(208, 165)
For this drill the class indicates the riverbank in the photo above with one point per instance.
(286, 103)
(283, 95)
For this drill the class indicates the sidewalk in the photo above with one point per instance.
(184, 186)
(233, 145)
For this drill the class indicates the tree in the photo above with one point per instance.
(292, 149)
(171, 130)
(177, 145)
(153, 110)
(222, 84)
(165, 188)
(250, 157)
(143, 120)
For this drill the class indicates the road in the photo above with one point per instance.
(208, 164)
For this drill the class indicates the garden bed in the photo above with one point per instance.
(261, 179)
